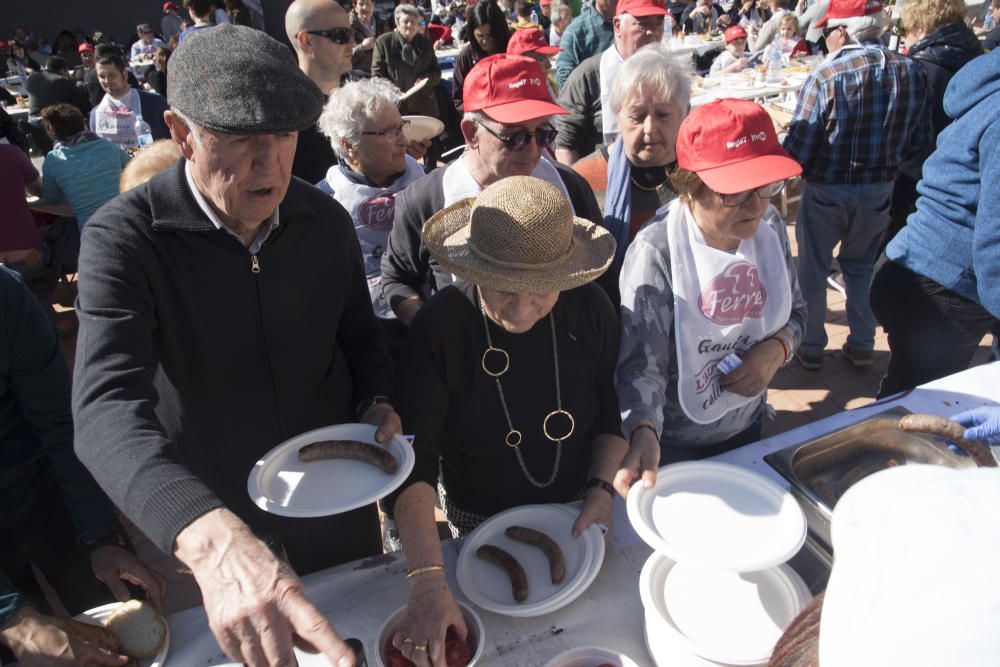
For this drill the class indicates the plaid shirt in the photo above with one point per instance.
(588, 34)
(859, 115)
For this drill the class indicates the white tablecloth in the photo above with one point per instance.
(357, 597)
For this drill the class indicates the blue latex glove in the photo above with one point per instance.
(981, 424)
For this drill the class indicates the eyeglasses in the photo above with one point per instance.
(390, 132)
(543, 137)
(335, 35)
(740, 198)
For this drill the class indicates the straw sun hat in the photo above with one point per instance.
(519, 235)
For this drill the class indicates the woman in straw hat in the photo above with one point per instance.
(711, 307)
(507, 383)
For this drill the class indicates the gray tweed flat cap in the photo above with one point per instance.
(238, 80)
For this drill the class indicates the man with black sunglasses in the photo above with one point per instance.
(859, 115)
(508, 131)
(320, 32)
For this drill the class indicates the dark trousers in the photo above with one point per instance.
(933, 332)
(904, 202)
(671, 453)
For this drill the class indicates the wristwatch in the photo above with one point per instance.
(598, 483)
(367, 405)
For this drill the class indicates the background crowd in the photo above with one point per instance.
(541, 293)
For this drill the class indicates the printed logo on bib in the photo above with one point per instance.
(376, 213)
(703, 378)
(733, 295)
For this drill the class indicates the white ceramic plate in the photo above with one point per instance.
(282, 484)
(717, 515)
(488, 587)
(422, 128)
(723, 617)
(591, 656)
(99, 616)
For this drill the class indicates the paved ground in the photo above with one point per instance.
(798, 396)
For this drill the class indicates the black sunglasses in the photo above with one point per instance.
(543, 137)
(829, 31)
(335, 35)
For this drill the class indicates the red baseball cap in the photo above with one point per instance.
(545, 2)
(167, 6)
(735, 32)
(510, 89)
(849, 9)
(641, 7)
(731, 144)
(86, 46)
(4, 45)
(525, 40)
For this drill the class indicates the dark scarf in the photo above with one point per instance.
(410, 52)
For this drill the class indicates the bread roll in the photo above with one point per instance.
(140, 627)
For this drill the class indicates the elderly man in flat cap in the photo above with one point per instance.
(224, 310)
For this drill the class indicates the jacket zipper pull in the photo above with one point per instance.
(254, 264)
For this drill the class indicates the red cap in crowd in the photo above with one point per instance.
(641, 7)
(86, 46)
(545, 2)
(732, 146)
(167, 6)
(735, 32)
(510, 89)
(849, 9)
(526, 40)
(4, 46)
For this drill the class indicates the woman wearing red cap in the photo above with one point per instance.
(711, 307)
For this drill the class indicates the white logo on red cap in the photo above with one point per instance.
(531, 81)
(377, 212)
(733, 295)
(749, 138)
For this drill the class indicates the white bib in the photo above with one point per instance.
(115, 121)
(372, 209)
(458, 183)
(611, 62)
(723, 303)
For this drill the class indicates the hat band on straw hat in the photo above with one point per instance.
(534, 266)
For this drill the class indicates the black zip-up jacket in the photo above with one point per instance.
(942, 53)
(195, 358)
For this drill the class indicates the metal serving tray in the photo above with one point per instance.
(820, 470)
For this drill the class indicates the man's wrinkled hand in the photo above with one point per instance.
(256, 606)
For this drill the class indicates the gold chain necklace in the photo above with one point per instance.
(514, 436)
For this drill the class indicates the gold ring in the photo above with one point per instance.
(545, 425)
(420, 647)
(506, 361)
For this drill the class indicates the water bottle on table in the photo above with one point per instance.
(774, 65)
(143, 133)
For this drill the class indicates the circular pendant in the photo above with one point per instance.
(513, 438)
(505, 361)
(545, 425)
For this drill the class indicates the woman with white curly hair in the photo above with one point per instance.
(367, 133)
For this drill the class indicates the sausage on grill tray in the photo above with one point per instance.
(978, 451)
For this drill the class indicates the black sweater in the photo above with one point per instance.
(190, 366)
(452, 406)
(407, 267)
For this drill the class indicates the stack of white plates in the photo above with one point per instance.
(715, 591)
(488, 587)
